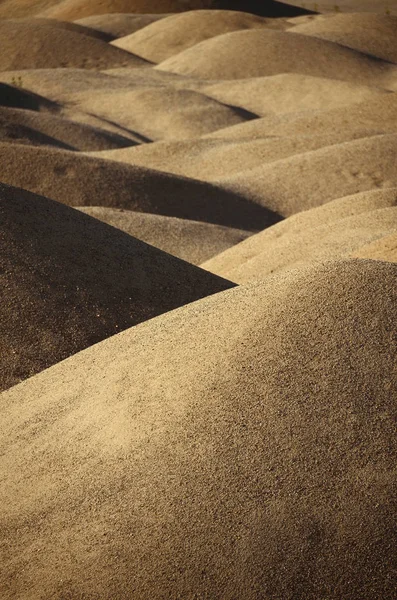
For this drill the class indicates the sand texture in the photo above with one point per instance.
(198, 300)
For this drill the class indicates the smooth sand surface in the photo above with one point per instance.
(384, 249)
(79, 180)
(69, 281)
(163, 436)
(370, 34)
(192, 241)
(261, 52)
(26, 45)
(297, 226)
(240, 444)
(176, 33)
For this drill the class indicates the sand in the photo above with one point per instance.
(370, 34)
(70, 281)
(198, 225)
(85, 181)
(258, 53)
(27, 45)
(241, 444)
(192, 241)
(167, 37)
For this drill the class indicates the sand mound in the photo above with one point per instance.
(189, 240)
(383, 249)
(262, 52)
(27, 45)
(317, 244)
(16, 97)
(239, 446)
(369, 33)
(176, 33)
(69, 281)
(376, 114)
(290, 93)
(77, 180)
(42, 128)
(161, 113)
(298, 225)
(118, 25)
(211, 159)
(75, 27)
(293, 184)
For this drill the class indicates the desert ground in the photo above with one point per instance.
(198, 270)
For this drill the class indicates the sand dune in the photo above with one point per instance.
(69, 281)
(384, 249)
(297, 226)
(318, 244)
(77, 180)
(66, 26)
(57, 131)
(161, 113)
(291, 185)
(176, 33)
(211, 159)
(240, 444)
(261, 52)
(118, 25)
(192, 241)
(371, 34)
(290, 93)
(25, 45)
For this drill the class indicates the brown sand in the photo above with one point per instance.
(371, 34)
(291, 185)
(118, 25)
(262, 52)
(176, 33)
(297, 226)
(240, 446)
(77, 180)
(317, 244)
(27, 45)
(211, 159)
(384, 249)
(66, 26)
(70, 281)
(192, 241)
(26, 126)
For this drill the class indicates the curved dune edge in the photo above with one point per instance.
(196, 426)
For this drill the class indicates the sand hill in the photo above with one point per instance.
(69, 281)
(322, 218)
(84, 181)
(118, 25)
(368, 33)
(193, 241)
(27, 45)
(241, 444)
(384, 249)
(167, 37)
(261, 52)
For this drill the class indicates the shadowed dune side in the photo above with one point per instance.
(176, 33)
(293, 184)
(262, 52)
(368, 33)
(66, 26)
(160, 112)
(209, 159)
(118, 25)
(241, 444)
(299, 224)
(27, 45)
(16, 97)
(384, 249)
(314, 245)
(69, 281)
(53, 130)
(78, 180)
(192, 241)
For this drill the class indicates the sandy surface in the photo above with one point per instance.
(198, 300)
